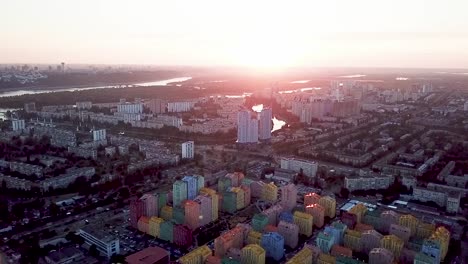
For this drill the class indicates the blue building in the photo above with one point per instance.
(194, 184)
(325, 241)
(286, 217)
(192, 188)
(339, 232)
(273, 243)
(432, 248)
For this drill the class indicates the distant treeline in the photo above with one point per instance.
(104, 95)
(80, 79)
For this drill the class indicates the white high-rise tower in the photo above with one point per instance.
(264, 128)
(247, 128)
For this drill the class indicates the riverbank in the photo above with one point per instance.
(8, 92)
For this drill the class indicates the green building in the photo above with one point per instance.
(166, 231)
(259, 221)
(178, 215)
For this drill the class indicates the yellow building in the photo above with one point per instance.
(254, 237)
(352, 240)
(154, 226)
(270, 192)
(304, 221)
(442, 235)
(303, 256)
(326, 259)
(393, 244)
(166, 213)
(239, 197)
(329, 204)
(196, 256)
(214, 206)
(253, 254)
(359, 210)
(425, 230)
(409, 221)
(207, 191)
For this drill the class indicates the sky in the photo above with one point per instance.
(248, 33)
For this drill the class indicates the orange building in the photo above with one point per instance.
(231, 239)
(311, 198)
(359, 210)
(338, 250)
(318, 212)
(143, 224)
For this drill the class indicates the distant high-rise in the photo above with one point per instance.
(18, 125)
(62, 67)
(156, 106)
(99, 134)
(188, 150)
(264, 128)
(309, 168)
(247, 128)
(30, 107)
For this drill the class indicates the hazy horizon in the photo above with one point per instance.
(262, 35)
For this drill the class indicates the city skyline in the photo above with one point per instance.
(260, 35)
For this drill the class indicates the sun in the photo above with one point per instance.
(264, 53)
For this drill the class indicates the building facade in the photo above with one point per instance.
(188, 150)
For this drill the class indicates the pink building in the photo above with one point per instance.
(289, 196)
(247, 194)
(290, 233)
(388, 218)
(182, 236)
(236, 178)
(192, 214)
(272, 213)
(256, 188)
(205, 208)
(380, 256)
(402, 232)
(137, 210)
(231, 239)
(151, 204)
(370, 239)
(363, 227)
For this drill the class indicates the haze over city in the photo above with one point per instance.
(255, 34)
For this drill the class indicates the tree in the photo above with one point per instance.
(54, 209)
(116, 258)
(344, 193)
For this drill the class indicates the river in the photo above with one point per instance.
(71, 89)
